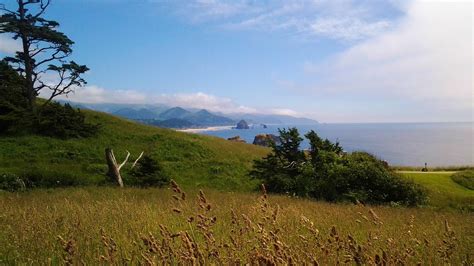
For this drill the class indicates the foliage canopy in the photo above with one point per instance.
(326, 172)
(43, 53)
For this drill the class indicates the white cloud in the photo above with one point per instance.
(199, 100)
(95, 94)
(284, 111)
(344, 19)
(426, 63)
(203, 101)
(347, 28)
(8, 45)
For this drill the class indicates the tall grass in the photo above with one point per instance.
(151, 226)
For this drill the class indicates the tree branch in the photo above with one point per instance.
(3, 8)
(43, 8)
(40, 50)
(136, 161)
(125, 161)
(53, 57)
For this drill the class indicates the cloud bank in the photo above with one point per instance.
(199, 100)
(425, 63)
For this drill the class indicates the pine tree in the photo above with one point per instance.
(44, 51)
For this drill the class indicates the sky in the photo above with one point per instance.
(330, 60)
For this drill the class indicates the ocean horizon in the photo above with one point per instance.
(400, 144)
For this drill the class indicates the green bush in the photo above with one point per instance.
(11, 182)
(326, 172)
(147, 173)
(464, 178)
(56, 120)
(362, 177)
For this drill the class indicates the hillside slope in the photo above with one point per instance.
(192, 160)
(443, 191)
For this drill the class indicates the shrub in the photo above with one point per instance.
(147, 173)
(326, 172)
(362, 177)
(56, 120)
(464, 178)
(11, 182)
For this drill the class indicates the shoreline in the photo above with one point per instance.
(197, 130)
(213, 128)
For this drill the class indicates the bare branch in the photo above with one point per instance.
(40, 50)
(136, 161)
(113, 157)
(43, 7)
(3, 8)
(53, 57)
(125, 161)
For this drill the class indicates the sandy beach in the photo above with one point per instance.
(197, 130)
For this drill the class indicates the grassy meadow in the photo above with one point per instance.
(192, 160)
(92, 225)
(443, 192)
(229, 224)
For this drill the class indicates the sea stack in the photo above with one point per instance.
(242, 125)
(266, 140)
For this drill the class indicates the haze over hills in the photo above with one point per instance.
(182, 117)
(273, 119)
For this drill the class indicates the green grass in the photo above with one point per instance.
(435, 169)
(443, 192)
(87, 218)
(464, 178)
(193, 160)
(30, 222)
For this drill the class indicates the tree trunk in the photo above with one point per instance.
(30, 91)
(114, 168)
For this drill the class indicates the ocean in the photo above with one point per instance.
(400, 144)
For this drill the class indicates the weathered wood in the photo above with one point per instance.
(114, 168)
(136, 161)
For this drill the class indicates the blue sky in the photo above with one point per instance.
(335, 61)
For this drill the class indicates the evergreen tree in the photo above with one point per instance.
(13, 102)
(44, 51)
(323, 153)
(281, 169)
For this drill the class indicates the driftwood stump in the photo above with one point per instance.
(114, 167)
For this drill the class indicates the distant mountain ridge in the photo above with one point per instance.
(273, 119)
(175, 117)
(179, 117)
(175, 112)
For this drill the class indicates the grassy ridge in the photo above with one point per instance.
(464, 178)
(89, 219)
(443, 192)
(192, 160)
